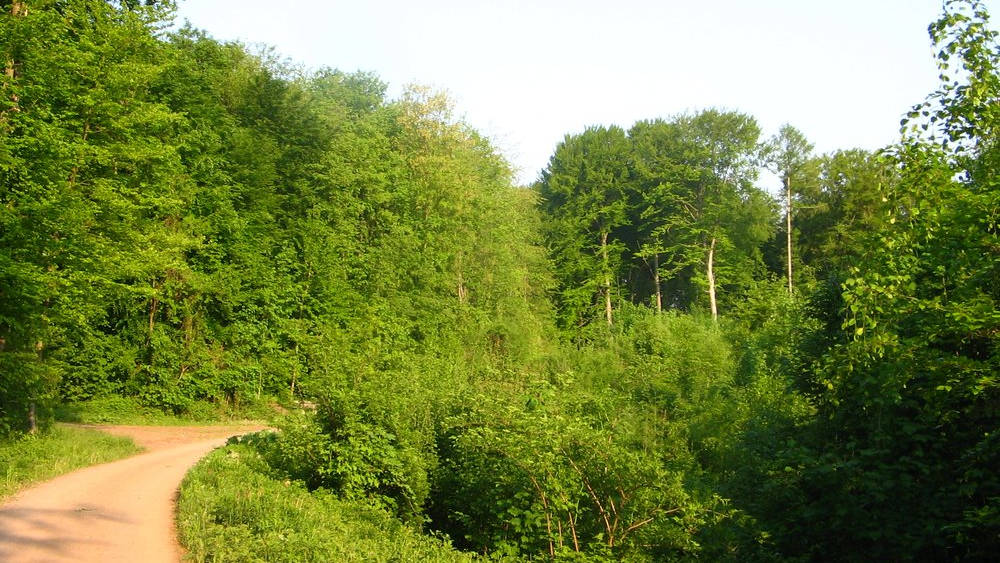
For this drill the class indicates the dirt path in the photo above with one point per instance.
(118, 511)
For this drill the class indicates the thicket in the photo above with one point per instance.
(644, 356)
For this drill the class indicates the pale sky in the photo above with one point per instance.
(526, 73)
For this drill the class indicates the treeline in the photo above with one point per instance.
(860, 417)
(186, 222)
(670, 213)
(642, 357)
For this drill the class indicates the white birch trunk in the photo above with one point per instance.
(607, 278)
(788, 228)
(711, 281)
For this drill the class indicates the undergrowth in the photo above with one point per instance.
(233, 507)
(115, 409)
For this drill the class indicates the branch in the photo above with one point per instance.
(597, 501)
(548, 520)
(640, 523)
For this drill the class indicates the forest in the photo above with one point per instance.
(643, 356)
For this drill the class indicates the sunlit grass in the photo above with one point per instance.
(126, 410)
(232, 508)
(32, 459)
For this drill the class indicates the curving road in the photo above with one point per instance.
(118, 511)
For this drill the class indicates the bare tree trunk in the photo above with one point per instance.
(788, 227)
(607, 278)
(711, 281)
(154, 304)
(572, 528)
(656, 280)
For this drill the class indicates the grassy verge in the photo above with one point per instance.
(232, 508)
(124, 410)
(36, 458)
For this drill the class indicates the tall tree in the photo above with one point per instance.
(583, 192)
(694, 201)
(789, 151)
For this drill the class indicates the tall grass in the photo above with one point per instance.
(114, 409)
(31, 459)
(233, 508)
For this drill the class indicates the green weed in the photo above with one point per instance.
(233, 507)
(115, 409)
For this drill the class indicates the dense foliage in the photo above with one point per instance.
(233, 509)
(645, 356)
(185, 221)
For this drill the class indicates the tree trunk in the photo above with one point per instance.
(17, 10)
(462, 291)
(656, 281)
(607, 278)
(154, 304)
(711, 281)
(32, 410)
(788, 227)
(295, 370)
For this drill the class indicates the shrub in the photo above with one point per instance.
(346, 450)
(233, 507)
(563, 474)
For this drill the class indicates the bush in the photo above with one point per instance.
(346, 450)
(234, 507)
(564, 474)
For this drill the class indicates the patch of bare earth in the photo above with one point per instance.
(118, 511)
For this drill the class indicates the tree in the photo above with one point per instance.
(694, 198)
(788, 152)
(907, 425)
(839, 203)
(583, 193)
(657, 177)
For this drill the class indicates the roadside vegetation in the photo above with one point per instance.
(33, 459)
(643, 356)
(235, 507)
(116, 409)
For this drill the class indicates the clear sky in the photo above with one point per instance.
(527, 72)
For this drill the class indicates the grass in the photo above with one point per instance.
(116, 409)
(232, 508)
(32, 459)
